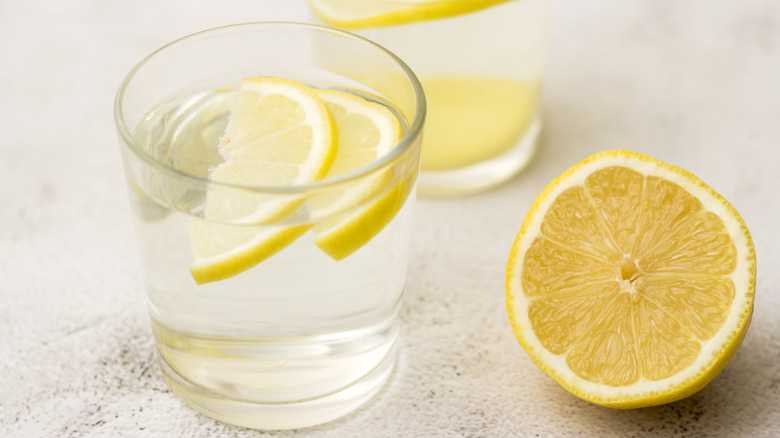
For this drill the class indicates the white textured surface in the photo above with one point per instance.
(694, 83)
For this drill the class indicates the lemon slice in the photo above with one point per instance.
(223, 251)
(279, 134)
(354, 14)
(631, 281)
(367, 131)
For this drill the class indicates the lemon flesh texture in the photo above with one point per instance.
(356, 14)
(279, 134)
(631, 281)
(472, 119)
(361, 208)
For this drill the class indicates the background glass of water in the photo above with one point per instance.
(481, 64)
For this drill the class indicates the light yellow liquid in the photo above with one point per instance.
(475, 118)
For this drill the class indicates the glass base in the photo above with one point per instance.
(483, 175)
(281, 415)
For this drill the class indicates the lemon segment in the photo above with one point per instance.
(359, 209)
(224, 251)
(471, 119)
(355, 14)
(279, 134)
(631, 281)
(342, 238)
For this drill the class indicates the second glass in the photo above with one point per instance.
(481, 66)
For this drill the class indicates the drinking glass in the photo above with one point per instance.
(299, 338)
(481, 64)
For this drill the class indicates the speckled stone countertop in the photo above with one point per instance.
(695, 83)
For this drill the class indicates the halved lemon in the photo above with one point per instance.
(279, 134)
(360, 209)
(354, 14)
(631, 281)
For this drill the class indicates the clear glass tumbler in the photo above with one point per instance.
(298, 338)
(481, 64)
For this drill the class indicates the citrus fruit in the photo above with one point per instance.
(279, 134)
(362, 207)
(222, 251)
(631, 281)
(354, 14)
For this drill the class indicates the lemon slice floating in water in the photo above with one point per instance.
(279, 134)
(631, 281)
(363, 207)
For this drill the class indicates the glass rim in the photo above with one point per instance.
(414, 130)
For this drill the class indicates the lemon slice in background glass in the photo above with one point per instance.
(279, 134)
(631, 281)
(354, 14)
(364, 206)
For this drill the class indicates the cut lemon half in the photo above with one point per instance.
(631, 281)
(354, 14)
(279, 134)
(362, 207)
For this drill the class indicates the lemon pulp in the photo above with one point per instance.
(279, 133)
(355, 14)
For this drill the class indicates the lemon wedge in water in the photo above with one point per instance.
(279, 134)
